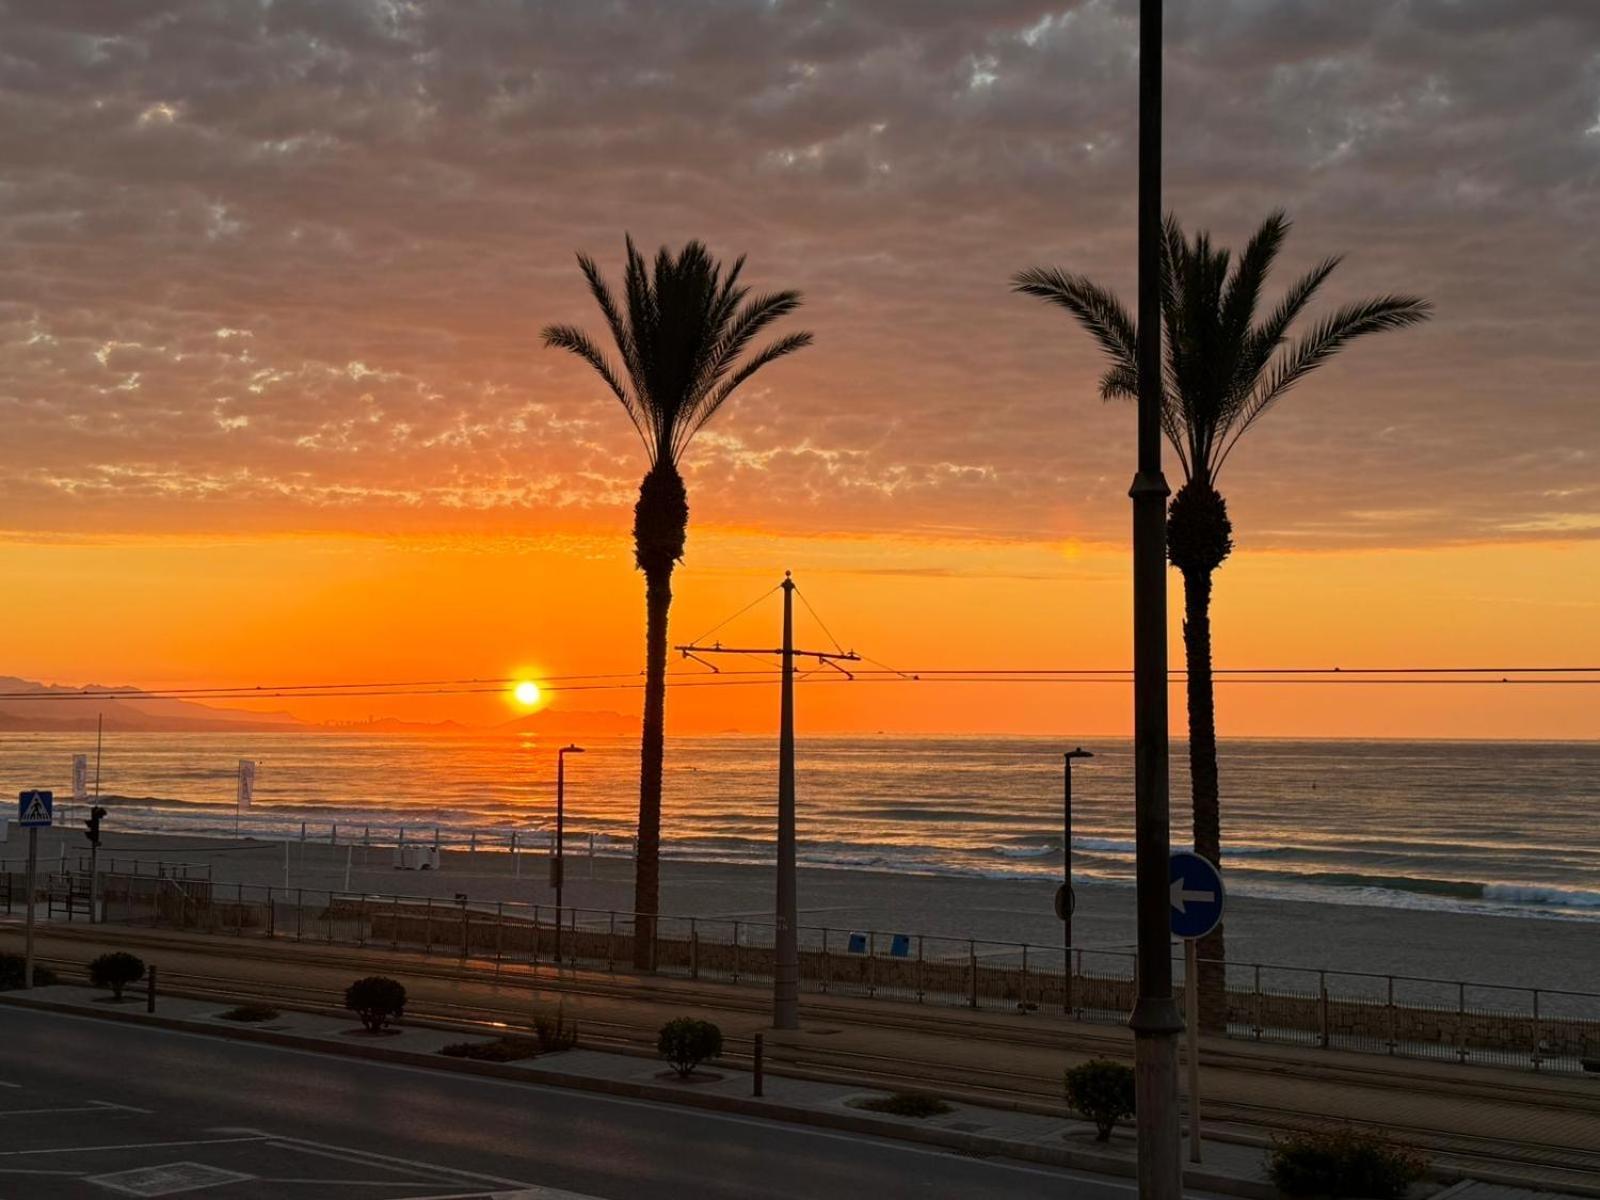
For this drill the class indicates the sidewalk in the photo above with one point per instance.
(1502, 1126)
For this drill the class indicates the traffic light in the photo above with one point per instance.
(93, 822)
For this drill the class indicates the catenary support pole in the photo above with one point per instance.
(1155, 1021)
(786, 968)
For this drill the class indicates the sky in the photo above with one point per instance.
(275, 407)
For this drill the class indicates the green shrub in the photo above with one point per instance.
(377, 1000)
(116, 971)
(250, 1012)
(1343, 1162)
(12, 967)
(554, 1033)
(907, 1104)
(1102, 1091)
(687, 1042)
(509, 1048)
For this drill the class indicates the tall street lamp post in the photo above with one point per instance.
(1155, 1021)
(1068, 900)
(558, 864)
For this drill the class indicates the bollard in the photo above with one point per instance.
(756, 1079)
(150, 989)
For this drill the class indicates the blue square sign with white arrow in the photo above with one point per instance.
(1196, 895)
(35, 809)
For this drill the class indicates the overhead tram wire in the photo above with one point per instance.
(879, 673)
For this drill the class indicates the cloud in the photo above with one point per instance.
(282, 265)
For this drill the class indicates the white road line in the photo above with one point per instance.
(37, 1112)
(353, 1159)
(375, 1159)
(130, 1146)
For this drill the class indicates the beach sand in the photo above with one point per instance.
(1504, 950)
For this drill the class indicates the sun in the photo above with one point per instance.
(527, 693)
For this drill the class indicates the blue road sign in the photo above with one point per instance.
(1196, 895)
(35, 809)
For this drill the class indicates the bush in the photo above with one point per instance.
(1101, 1090)
(503, 1049)
(687, 1042)
(116, 971)
(377, 1000)
(250, 1012)
(1343, 1162)
(907, 1104)
(554, 1033)
(12, 967)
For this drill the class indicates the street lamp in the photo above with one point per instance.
(1068, 900)
(558, 864)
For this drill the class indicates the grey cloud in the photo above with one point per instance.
(276, 264)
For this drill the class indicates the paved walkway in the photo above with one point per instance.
(1505, 1126)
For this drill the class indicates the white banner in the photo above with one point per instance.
(247, 781)
(80, 776)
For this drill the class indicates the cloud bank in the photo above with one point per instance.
(281, 264)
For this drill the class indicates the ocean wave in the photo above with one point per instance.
(1523, 893)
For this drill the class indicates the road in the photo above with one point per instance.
(96, 1109)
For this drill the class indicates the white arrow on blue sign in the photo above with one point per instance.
(35, 809)
(1196, 895)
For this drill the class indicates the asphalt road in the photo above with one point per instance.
(95, 1109)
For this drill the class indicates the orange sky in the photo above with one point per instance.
(183, 611)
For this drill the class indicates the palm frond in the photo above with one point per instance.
(708, 407)
(576, 341)
(1326, 338)
(1097, 310)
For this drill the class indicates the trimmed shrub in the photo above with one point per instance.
(907, 1104)
(377, 1000)
(554, 1033)
(1102, 1090)
(12, 967)
(250, 1012)
(686, 1042)
(116, 971)
(503, 1049)
(1344, 1162)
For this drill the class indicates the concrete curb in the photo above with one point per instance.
(968, 1143)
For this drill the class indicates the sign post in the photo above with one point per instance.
(34, 812)
(1197, 897)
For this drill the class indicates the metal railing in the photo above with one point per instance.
(1448, 1020)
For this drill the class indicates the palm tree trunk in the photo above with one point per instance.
(652, 751)
(1203, 778)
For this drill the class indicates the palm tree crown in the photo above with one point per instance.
(679, 337)
(1223, 368)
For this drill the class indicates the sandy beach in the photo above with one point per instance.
(1510, 951)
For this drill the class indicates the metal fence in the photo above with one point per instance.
(1449, 1020)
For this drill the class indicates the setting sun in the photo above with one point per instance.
(527, 693)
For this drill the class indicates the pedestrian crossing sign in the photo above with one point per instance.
(35, 809)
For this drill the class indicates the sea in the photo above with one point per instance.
(1510, 829)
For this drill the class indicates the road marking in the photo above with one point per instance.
(131, 1146)
(354, 1159)
(371, 1158)
(80, 1108)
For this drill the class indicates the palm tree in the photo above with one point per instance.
(679, 333)
(1223, 371)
